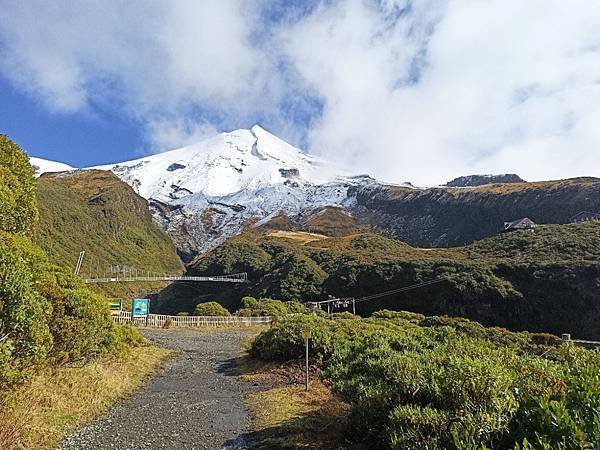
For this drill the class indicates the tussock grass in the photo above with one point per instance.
(290, 417)
(282, 404)
(38, 414)
(301, 236)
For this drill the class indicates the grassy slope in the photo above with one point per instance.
(39, 413)
(96, 212)
(542, 281)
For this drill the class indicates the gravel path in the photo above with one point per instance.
(192, 402)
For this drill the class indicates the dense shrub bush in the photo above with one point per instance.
(405, 315)
(284, 339)
(295, 276)
(24, 334)
(252, 307)
(81, 324)
(344, 315)
(448, 383)
(18, 203)
(210, 309)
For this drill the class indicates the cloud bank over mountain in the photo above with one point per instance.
(421, 91)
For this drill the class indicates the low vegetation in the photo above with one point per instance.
(417, 382)
(252, 307)
(289, 417)
(39, 413)
(541, 281)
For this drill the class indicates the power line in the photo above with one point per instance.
(351, 300)
(399, 290)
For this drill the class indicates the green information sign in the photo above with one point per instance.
(140, 307)
(115, 304)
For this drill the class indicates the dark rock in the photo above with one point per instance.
(481, 180)
(289, 173)
(175, 166)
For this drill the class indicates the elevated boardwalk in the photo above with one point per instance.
(234, 278)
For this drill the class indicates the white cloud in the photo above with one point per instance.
(411, 90)
(506, 86)
(158, 61)
(168, 134)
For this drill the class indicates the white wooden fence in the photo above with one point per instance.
(158, 320)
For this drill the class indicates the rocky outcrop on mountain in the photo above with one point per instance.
(448, 217)
(481, 180)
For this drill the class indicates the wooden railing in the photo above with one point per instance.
(158, 320)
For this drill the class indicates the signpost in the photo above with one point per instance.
(140, 307)
(306, 335)
(115, 305)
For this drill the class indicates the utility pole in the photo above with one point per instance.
(353, 306)
(79, 262)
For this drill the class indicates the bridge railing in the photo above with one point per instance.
(158, 320)
(234, 278)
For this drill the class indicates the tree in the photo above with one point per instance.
(24, 335)
(211, 309)
(18, 202)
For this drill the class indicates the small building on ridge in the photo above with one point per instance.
(522, 224)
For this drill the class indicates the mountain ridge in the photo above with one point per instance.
(207, 192)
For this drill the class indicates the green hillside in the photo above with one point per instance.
(542, 281)
(96, 212)
(47, 315)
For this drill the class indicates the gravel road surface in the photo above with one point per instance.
(194, 401)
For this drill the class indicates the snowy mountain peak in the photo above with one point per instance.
(205, 192)
(228, 163)
(208, 191)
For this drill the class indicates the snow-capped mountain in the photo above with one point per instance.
(41, 166)
(206, 192)
(220, 166)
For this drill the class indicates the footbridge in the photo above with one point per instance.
(101, 271)
(233, 278)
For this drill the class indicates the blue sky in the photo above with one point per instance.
(80, 139)
(404, 90)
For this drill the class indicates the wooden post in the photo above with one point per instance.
(307, 363)
(306, 336)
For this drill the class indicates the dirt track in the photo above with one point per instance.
(193, 402)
